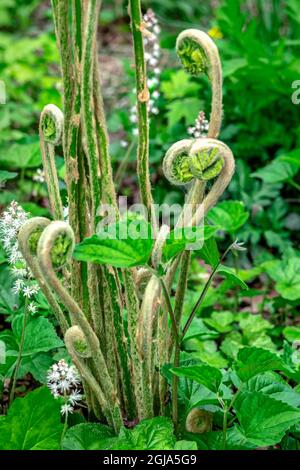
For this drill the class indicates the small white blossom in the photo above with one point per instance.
(18, 286)
(32, 308)
(39, 176)
(75, 397)
(64, 381)
(66, 409)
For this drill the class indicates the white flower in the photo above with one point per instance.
(32, 308)
(29, 291)
(124, 143)
(18, 286)
(39, 176)
(19, 272)
(66, 409)
(75, 397)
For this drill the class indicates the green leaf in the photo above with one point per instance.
(292, 333)
(87, 436)
(253, 361)
(220, 321)
(279, 170)
(214, 440)
(203, 374)
(21, 156)
(40, 335)
(32, 423)
(179, 239)
(264, 420)
(209, 252)
(229, 273)
(185, 445)
(286, 274)
(229, 216)
(129, 245)
(273, 385)
(150, 434)
(186, 109)
(179, 86)
(7, 175)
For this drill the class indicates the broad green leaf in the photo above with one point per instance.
(281, 169)
(32, 423)
(27, 155)
(286, 274)
(87, 436)
(198, 329)
(203, 374)
(229, 273)
(7, 175)
(130, 244)
(185, 109)
(232, 343)
(264, 420)
(253, 361)
(40, 335)
(180, 239)
(220, 321)
(150, 434)
(179, 86)
(185, 445)
(273, 385)
(228, 216)
(213, 440)
(209, 252)
(38, 365)
(292, 333)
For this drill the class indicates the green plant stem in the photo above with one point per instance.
(294, 184)
(203, 293)
(87, 105)
(142, 94)
(64, 429)
(20, 353)
(175, 380)
(123, 165)
(225, 417)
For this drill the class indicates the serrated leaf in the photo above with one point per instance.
(185, 109)
(286, 274)
(185, 445)
(124, 244)
(40, 335)
(188, 238)
(264, 420)
(279, 170)
(220, 321)
(203, 374)
(214, 440)
(87, 436)
(228, 216)
(32, 423)
(209, 252)
(27, 155)
(253, 361)
(273, 385)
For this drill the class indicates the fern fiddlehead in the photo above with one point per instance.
(51, 131)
